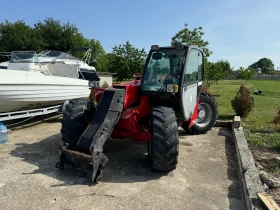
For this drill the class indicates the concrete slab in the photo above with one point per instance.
(206, 177)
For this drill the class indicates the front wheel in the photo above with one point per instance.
(206, 117)
(76, 118)
(163, 150)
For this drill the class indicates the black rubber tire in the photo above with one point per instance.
(76, 118)
(205, 121)
(163, 150)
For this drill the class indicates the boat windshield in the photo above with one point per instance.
(163, 64)
(51, 53)
(56, 54)
(23, 57)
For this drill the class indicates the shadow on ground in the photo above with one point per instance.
(31, 121)
(128, 162)
(235, 190)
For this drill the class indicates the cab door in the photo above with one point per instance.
(192, 81)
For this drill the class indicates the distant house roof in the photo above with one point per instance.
(105, 73)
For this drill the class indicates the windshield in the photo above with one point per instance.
(52, 53)
(23, 57)
(163, 63)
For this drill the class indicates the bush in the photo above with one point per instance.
(243, 103)
(276, 119)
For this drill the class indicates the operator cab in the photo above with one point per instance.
(173, 77)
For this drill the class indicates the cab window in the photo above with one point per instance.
(193, 71)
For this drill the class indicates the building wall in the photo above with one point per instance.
(262, 76)
(107, 78)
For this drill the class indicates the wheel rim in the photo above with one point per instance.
(205, 113)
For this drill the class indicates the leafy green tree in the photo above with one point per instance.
(58, 35)
(187, 36)
(221, 70)
(107, 61)
(49, 34)
(264, 64)
(99, 60)
(18, 36)
(217, 71)
(65, 36)
(246, 74)
(208, 69)
(125, 60)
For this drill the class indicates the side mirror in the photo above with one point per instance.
(157, 56)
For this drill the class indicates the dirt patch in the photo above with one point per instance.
(268, 160)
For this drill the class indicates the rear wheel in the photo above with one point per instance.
(76, 118)
(163, 150)
(207, 115)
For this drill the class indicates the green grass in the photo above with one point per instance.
(224, 92)
(258, 125)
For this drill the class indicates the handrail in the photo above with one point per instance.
(86, 58)
(6, 54)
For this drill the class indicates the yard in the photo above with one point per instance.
(204, 179)
(262, 134)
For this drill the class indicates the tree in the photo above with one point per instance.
(246, 74)
(18, 36)
(208, 69)
(187, 36)
(49, 34)
(99, 60)
(217, 71)
(57, 35)
(65, 36)
(125, 60)
(264, 64)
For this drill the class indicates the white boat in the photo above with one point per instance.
(57, 62)
(28, 83)
(53, 56)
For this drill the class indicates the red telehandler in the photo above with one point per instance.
(150, 109)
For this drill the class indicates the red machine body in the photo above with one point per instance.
(149, 108)
(135, 108)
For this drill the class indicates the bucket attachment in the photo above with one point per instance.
(88, 151)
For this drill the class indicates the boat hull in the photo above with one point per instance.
(21, 90)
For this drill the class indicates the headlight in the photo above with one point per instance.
(171, 88)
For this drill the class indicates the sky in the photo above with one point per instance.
(240, 31)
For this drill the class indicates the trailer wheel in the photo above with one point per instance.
(163, 150)
(76, 118)
(207, 115)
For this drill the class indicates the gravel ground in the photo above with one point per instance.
(206, 176)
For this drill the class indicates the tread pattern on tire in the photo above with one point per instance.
(165, 140)
(74, 120)
(196, 129)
